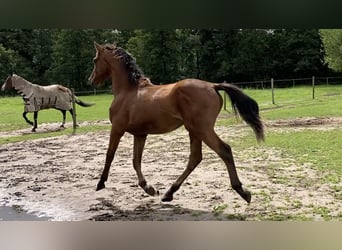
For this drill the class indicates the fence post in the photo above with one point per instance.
(74, 111)
(272, 87)
(224, 100)
(313, 87)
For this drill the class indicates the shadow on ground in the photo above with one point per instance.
(151, 211)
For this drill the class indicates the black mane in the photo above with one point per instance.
(134, 71)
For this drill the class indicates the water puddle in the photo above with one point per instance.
(16, 214)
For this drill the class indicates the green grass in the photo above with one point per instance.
(11, 109)
(297, 102)
(322, 149)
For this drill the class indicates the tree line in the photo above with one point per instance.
(47, 56)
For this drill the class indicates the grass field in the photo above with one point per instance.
(297, 102)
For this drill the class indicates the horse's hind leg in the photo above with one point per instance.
(139, 143)
(225, 152)
(64, 115)
(194, 159)
(72, 116)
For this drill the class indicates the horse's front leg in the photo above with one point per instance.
(113, 145)
(139, 143)
(26, 119)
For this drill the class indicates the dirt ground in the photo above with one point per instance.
(56, 177)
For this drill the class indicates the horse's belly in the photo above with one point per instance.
(39, 103)
(154, 127)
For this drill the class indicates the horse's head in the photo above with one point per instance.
(8, 83)
(101, 67)
(110, 58)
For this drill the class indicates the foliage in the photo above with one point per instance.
(298, 52)
(157, 53)
(64, 56)
(252, 55)
(332, 39)
(7, 61)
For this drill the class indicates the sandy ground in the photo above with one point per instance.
(56, 177)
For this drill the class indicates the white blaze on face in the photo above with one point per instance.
(91, 77)
(96, 55)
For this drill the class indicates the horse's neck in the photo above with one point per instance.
(120, 83)
(23, 86)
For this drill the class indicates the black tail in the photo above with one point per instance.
(246, 106)
(83, 104)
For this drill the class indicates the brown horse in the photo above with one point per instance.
(142, 108)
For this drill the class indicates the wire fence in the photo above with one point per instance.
(260, 84)
(285, 83)
(275, 86)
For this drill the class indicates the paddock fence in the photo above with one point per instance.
(272, 85)
(268, 85)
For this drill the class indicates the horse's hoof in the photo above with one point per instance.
(100, 186)
(167, 198)
(247, 196)
(33, 130)
(151, 191)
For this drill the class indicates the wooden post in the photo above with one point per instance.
(224, 100)
(74, 111)
(313, 87)
(272, 87)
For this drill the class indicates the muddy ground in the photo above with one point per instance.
(56, 178)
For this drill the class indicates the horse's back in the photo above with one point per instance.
(51, 96)
(162, 108)
(196, 92)
(184, 94)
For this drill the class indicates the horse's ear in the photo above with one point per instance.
(97, 46)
